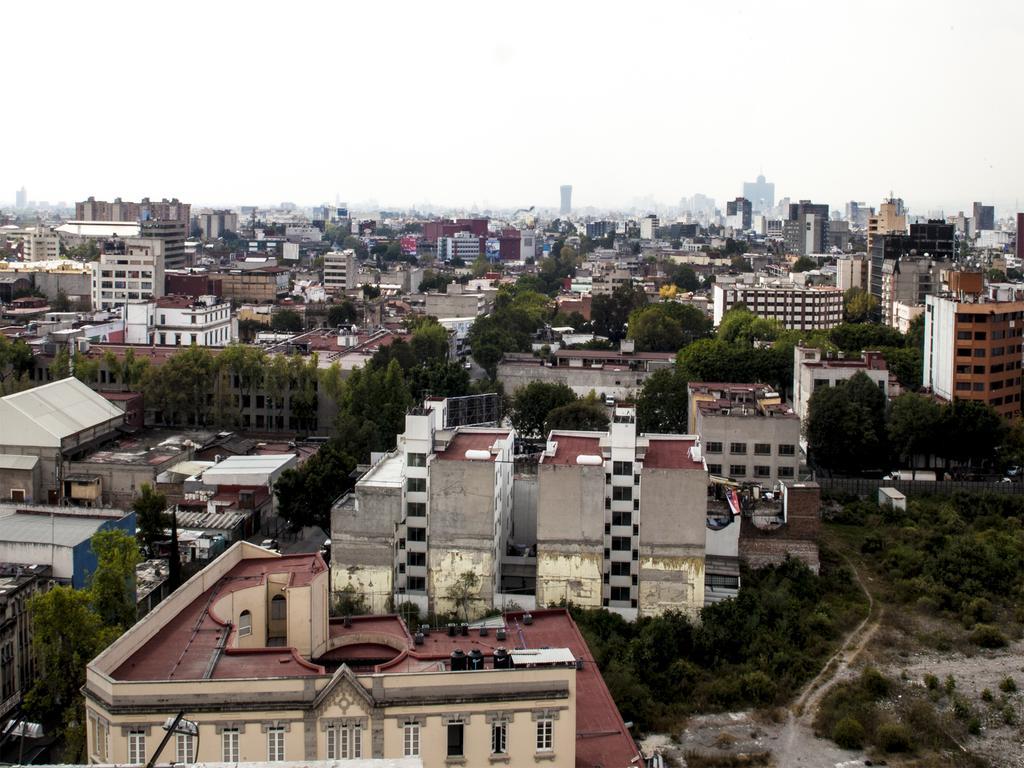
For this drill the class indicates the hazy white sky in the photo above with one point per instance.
(498, 103)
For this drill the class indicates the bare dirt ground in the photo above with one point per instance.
(787, 738)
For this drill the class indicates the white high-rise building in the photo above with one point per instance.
(132, 270)
(341, 272)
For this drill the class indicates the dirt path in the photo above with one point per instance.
(797, 744)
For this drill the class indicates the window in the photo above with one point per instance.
(416, 584)
(416, 459)
(411, 739)
(545, 732)
(737, 470)
(714, 447)
(278, 608)
(229, 745)
(184, 748)
(244, 624)
(622, 493)
(740, 448)
(787, 450)
(417, 534)
(416, 484)
(762, 449)
(622, 467)
(620, 543)
(499, 738)
(416, 558)
(344, 742)
(620, 594)
(722, 581)
(785, 471)
(275, 744)
(715, 469)
(620, 568)
(99, 738)
(622, 518)
(136, 747)
(416, 509)
(456, 739)
(762, 471)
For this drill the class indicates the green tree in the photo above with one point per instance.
(684, 277)
(86, 369)
(661, 405)
(913, 426)
(16, 361)
(978, 428)
(60, 368)
(430, 343)
(532, 404)
(151, 518)
(859, 306)
(434, 281)
(60, 302)
(305, 494)
(609, 314)
(853, 338)
(113, 582)
(286, 321)
(463, 592)
(667, 327)
(845, 426)
(803, 264)
(344, 313)
(579, 415)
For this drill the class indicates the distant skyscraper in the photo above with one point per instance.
(984, 217)
(566, 208)
(738, 213)
(760, 193)
(1020, 235)
(21, 199)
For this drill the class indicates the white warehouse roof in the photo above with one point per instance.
(44, 416)
(249, 470)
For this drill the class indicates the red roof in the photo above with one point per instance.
(571, 446)
(672, 453)
(187, 647)
(470, 441)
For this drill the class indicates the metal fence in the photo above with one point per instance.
(862, 486)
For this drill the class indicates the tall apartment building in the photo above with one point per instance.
(972, 344)
(462, 245)
(247, 649)
(173, 233)
(621, 520)
(128, 270)
(39, 243)
(565, 192)
(932, 241)
(119, 210)
(890, 219)
(341, 271)
(852, 271)
(857, 214)
(213, 224)
(799, 308)
(746, 432)
(437, 507)
(908, 281)
(648, 227)
(806, 229)
(739, 213)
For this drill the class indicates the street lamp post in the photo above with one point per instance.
(174, 726)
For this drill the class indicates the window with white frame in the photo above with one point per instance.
(411, 739)
(99, 738)
(351, 742)
(184, 748)
(499, 738)
(275, 743)
(244, 624)
(136, 746)
(545, 733)
(229, 745)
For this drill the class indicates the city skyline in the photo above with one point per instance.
(615, 116)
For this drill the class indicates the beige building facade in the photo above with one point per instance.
(247, 651)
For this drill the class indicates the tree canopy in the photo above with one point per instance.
(667, 327)
(532, 404)
(661, 404)
(845, 426)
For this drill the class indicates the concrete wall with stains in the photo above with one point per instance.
(570, 534)
(362, 541)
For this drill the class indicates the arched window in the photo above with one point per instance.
(244, 624)
(278, 608)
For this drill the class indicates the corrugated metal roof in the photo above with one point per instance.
(61, 530)
(218, 521)
(44, 416)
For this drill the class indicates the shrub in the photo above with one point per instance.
(987, 636)
(979, 611)
(974, 726)
(950, 685)
(1008, 685)
(848, 733)
(874, 683)
(961, 709)
(986, 695)
(894, 737)
(931, 682)
(1009, 715)
(758, 687)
